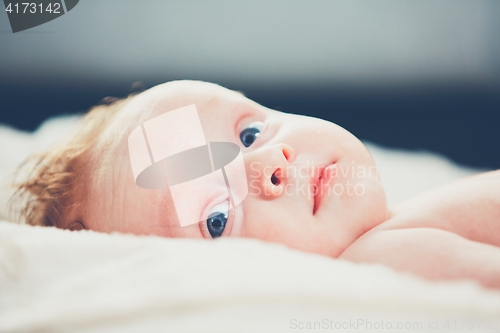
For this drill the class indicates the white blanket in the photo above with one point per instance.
(59, 281)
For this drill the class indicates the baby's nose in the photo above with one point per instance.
(267, 170)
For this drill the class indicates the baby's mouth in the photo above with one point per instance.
(321, 181)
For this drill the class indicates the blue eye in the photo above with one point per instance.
(250, 133)
(217, 219)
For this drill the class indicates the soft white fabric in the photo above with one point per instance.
(60, 281)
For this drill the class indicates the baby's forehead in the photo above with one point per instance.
(175, 95)
(213, 103)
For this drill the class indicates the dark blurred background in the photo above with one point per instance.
(420, 75)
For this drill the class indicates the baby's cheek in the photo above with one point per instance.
(262, 222)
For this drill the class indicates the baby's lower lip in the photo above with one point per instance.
(326, 178)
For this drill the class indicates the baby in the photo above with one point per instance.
(312, 186)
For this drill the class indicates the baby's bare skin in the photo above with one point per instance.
(452, 232)
(449, 233)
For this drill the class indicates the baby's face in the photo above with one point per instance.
(311, 184)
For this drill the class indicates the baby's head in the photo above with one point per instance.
(311, 184)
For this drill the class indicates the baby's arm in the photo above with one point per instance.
(431, 253)
(469, 207)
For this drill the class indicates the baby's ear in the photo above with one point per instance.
(75, 226)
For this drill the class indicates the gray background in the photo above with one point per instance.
(408, 74)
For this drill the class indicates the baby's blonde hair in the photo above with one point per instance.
(54, 182)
